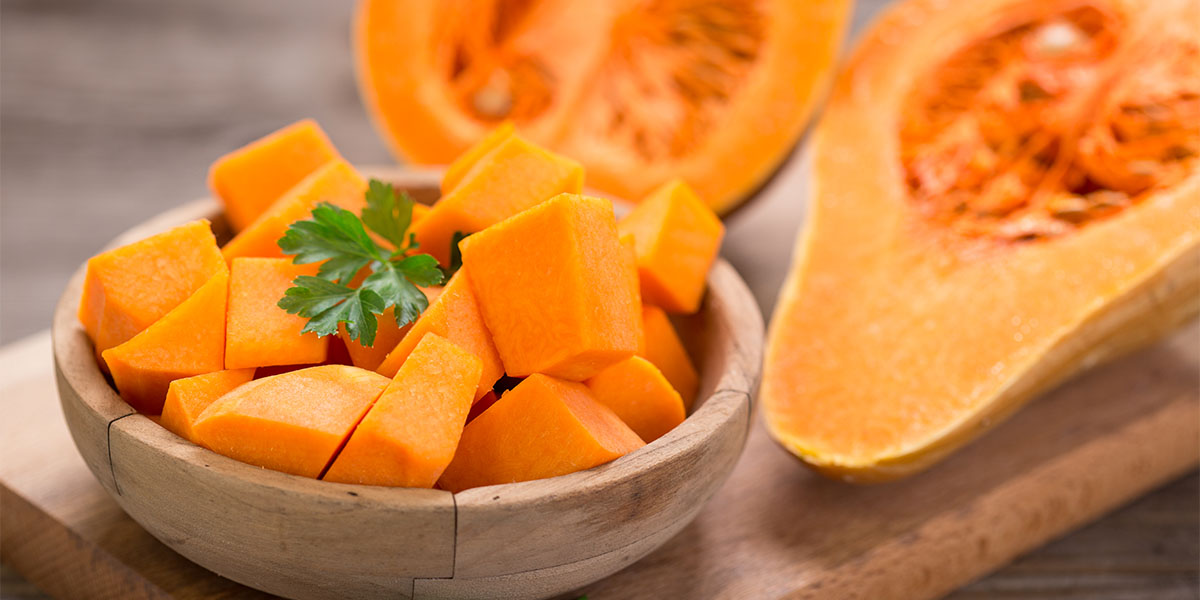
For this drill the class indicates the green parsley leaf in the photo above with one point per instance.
(336, 236)
(421, 269)
(386, 213)
(338, 239)
(310, 296)
(326, 304)
(410, 301)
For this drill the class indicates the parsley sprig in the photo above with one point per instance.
(340, 241)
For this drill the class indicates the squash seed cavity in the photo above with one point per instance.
(1054, 124)
(660, 82)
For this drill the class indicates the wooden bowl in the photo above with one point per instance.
(303, 538)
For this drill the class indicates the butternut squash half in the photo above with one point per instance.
(716, 92)
(1003, 193)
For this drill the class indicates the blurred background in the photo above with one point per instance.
(112, 110)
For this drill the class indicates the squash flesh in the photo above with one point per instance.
(716, 93)
(640, 395)
(897, 339)
(336, 182)
(555, 290)
(257, 332)
(664, 350)
(189, 340)
(454, 315)
(676, 241)
(117, 304)
(409, 435)
(294, 422)
(188, 398)
(512, 177)
(248, 180)
(542, 428)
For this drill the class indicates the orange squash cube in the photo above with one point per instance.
(337, 183)
(257, 332)
(468, 159)
(250, 179)
(409, 436)
(678, 238)
(189, 340)
(666, 352)
(128, 288)
(542, 428)
(513, 176)
(294, 422)
(455, 316)
(638, 393)
(188, 397)
(554, 289)
(387, 336)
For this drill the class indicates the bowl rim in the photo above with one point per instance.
(734, 307)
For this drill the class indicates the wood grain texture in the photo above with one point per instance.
(275, 532)
(129, 100)
(1031, 479)
(102, 553)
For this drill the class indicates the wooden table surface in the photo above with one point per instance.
(112, 110)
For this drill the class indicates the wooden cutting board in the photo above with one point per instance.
(774, 530)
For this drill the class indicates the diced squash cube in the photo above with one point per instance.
(250, 179)
(455, 316)
(467, 160)
(189, 340)
(554, 289)
(337, 183)
(387, 336)
(336, 354)
(513, 176)
(678, 238)
(409, 436)
(257, 332)
(639, 394)
(542, 428)
(127, 289)
(188, 397)
(294, 422)
(664, 349)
